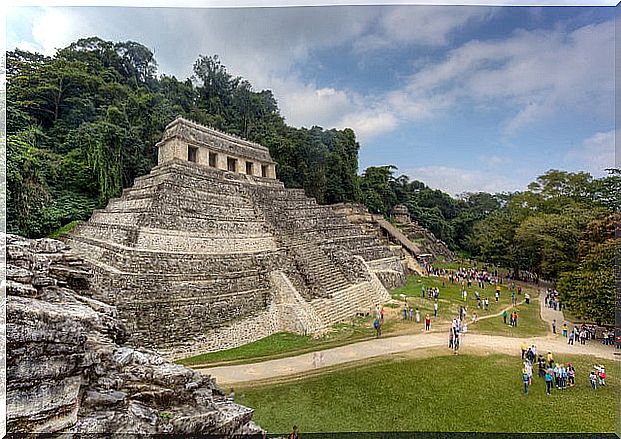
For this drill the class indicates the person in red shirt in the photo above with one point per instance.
(427, 322)
(515, 318)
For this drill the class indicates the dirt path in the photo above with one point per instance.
(273, 369)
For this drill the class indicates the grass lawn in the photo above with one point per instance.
(529, 323)
(442, 393)
(451, 299)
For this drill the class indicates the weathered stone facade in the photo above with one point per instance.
(68, 372)
(196, 255)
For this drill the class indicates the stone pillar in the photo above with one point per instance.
(256, 170)
(271, 171)
(203, 156)
(221, 162)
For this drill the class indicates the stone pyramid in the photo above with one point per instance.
(210, 251)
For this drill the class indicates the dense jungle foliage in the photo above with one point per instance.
(82, 124)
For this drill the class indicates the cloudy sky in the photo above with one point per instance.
(463, 98)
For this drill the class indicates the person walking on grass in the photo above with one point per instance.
(510, 319)
(427, 322)
(504, 317)
(378, 327)
(435, 309)
(548, 378)
(515, 318)
(523, 348)
(593, 379)
(525, 380)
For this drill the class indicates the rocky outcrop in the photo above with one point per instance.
(68, 370)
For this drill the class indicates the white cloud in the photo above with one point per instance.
(457, 180)
(493, 160)
(595, 154)
(424, 26)
(534, 75)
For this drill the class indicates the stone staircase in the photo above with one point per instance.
(346, 303)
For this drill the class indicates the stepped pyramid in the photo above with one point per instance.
(210, 251)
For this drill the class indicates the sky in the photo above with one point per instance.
(463, 98)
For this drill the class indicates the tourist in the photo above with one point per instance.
(550, 359)
(515, 318)
(475, 317)
(497, 295)
(523, 347)
(456, 343)
(435, 309)
(571, 375)
(601, 374)
(294, 433)
(504, 317)
(417, 316)
(564, 329)
(451, 335)
(583, 336)
(593, 379)
(541, 362)
(378, 327)
(486, 303)
(563, 375)
(411, 313)
(548, 378)
(423, 291)
(570, 339)
(405, 312)
(554, 326)
(510, 319)
(525, 380)
(513, 300)
(382, 314)
(427, 322)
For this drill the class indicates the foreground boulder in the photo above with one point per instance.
(67, 370)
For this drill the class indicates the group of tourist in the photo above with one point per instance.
(432, 292)
(513, 317)
(552, 300)
(556, 375)
(458, 328)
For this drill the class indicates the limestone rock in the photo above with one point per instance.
(67, 372)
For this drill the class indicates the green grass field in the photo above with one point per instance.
(451, 298)
(529, 323)
(442, 393)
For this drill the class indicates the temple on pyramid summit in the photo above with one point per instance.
(210, 251)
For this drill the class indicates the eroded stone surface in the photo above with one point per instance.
(67, 370)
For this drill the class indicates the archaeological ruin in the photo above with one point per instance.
(210, 251)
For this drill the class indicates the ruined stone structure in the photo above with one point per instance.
(418, 234)
(69, 373)
(406, 237)
(210, 250)
(401, 214)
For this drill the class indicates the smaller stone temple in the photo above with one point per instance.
(210, 251)
(186, 140)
